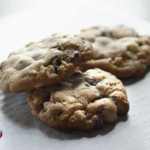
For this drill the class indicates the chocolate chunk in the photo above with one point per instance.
(113, 97)
(86, 113)
(76, 55)
(42, 106)
(56, 46)
(56, 68)
(83, 38)
(57, 60)
(104, 107)
(98, 123)
(43, 110)
(58, 84)
(104, 33)
(47, 99)
(21, 62)
(59, 113)
(90, 80)
(77, 73)
(140, 44)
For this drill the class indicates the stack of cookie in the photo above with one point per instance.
(62, 77)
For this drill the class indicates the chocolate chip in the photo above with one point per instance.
(113, 97)
(90, 80)
(100, 112)
(104, 33)
(21, 61)
(59, 113)
(76, 55)
(42, 106)
(64, 36)
(55, 46)
(104, 107)
(43, 110)
(58, 84)
(86, 113)
(98, 123)
(46, 99)
(56, 68)
(140, 44)
(77, 73)
(57, 60)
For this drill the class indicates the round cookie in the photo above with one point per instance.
(43, 63)
(123, 57)
(80, 101)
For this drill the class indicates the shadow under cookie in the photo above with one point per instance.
(134, 80)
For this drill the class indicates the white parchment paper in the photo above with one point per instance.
(22, 131)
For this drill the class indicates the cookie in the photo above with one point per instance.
(114, 32)
(122, 56)
(80, 101)
(43, 63)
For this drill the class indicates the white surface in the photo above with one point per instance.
(22, 131)
(140, 8)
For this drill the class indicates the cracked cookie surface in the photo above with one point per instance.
(43, 63)
(121, 51)
(80, 101)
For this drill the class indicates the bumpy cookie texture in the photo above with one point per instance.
(114, 32)
(123, 57)
(44, 62)
(80, 101)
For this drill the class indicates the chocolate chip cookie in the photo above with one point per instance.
(43, 63)
(80, 101)
(114, 32)
(119, 50)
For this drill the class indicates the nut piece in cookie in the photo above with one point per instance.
(80, 101)
(119, 51)
(43, 63)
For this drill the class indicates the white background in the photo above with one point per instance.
(139, 8)
(24, 22)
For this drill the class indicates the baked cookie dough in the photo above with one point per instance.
(43, 63)
(114, 32)
(80, 101)
(124, 54)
